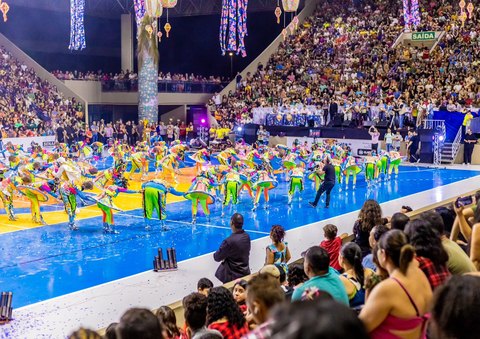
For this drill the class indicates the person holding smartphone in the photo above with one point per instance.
(375, 136)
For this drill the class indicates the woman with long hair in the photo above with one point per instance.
(431, 255)
(278, 252)
(370, 215)
(224, 315)
(397, 306)
(167, 317)
(353, 276)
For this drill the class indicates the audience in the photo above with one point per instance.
(240, 294)
(321, 276)
(332, 244)
(139, 323)
(399, 221)
(195, 313)
(204, 286)
(224, 315)
(430, 254)
(278, 252)
(375, 235)
(167, 318)
(370, 215)
(455, 308)
(296, 276)
(397, 305)
(263, 294)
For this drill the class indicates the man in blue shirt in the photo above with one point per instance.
(321, 276)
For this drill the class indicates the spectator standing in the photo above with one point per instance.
(414, 147)
(321, 276)
(469, 142)
(183, 131)
(234, 252)
(389, 140)
(332, 244)
(397, 141)
(375, 136)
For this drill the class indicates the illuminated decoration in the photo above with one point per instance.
(233, 26)
(4, 8)
(139, 6)
(168, 4)
(295, 21)
(159, 35)
(470, 10)
(290, 6)
(284, 33)
(411, 13)
(154, 8)
(278, 12)
(77, 28)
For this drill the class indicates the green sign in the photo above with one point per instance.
(423, 36)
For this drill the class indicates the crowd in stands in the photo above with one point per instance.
(30, 106)
(341, 60)
(396, 278)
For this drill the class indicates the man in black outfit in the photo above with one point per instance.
(327, 184)
(414, 147)
(234, 252)
(469, 142)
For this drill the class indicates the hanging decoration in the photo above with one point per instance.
(4, 8)
(411, 14)
(168, 4)
(154, 8)
(139, 6)
(463, 15)
(290, 6)
(278, 12)
(77, 28)
(470, 10)
(233, 26)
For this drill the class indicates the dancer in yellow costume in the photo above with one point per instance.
(201, 192)
(296, 175)
(351, 169)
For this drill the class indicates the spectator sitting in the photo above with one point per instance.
(239, 294)
(332, 245)
(455, 305)
(167, 317)
(263, 293)
(296, 276)
(458, 261)
(195, 313)
(320, 318)
(204, 286)
(84, 333)
(397, 305)
(139, 323)
(234, 252)
(224, 315)
(375, 234)
(321, 276)
(370, 215)
(399, 221)
(431, 255)
(354, 274)
(111, 331)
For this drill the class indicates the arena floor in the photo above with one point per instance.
(41, 263)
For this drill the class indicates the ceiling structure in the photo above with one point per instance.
(113, 8)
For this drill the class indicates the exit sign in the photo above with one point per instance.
(423, 36)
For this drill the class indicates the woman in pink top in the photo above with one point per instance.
(397, 307)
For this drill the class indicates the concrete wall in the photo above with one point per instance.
(91, 91)
(41, 72)
(179, 113)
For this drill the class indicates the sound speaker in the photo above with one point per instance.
(250, 133)
(346, 123)
(337, 121)
(382, 124)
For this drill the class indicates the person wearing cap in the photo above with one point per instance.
(321, 276)
(328, 183)
(234, 252)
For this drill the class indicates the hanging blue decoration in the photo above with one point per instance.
(233, 26)
(77, 28)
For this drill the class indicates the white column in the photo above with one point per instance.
(127, 42)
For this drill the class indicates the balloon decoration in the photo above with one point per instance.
(290, 6)
(278, 12)
(168, 4)
(4, 8)
(233, 26)
(77, 28)
(411, 14)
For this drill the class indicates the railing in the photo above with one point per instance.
(165, 86)
(437, 125)
(456, 143)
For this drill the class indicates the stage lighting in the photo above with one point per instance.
(239, 128)
(202, 121)
(441, 138)
(230, 54)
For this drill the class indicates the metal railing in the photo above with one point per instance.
(456, 143)
(437, 125)
(165, 86)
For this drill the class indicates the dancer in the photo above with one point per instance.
(35, 196)
(263, 181)
(154, 194)
(370, 163)
(105, 203)
(317, 174)
(296, 181)
(6, 195)
(69, 192)
(200, 157)
(225, 157)
(231, 186)
(201, 192)
(395, 160)
(169, 164)
(139, 162)
(351, 169)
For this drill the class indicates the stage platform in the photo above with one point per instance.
(62, 280)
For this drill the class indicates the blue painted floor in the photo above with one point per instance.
(42, 263)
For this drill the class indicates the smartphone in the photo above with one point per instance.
(464, 201)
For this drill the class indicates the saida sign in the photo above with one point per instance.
(423, 36)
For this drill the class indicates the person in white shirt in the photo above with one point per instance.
(389, 140)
